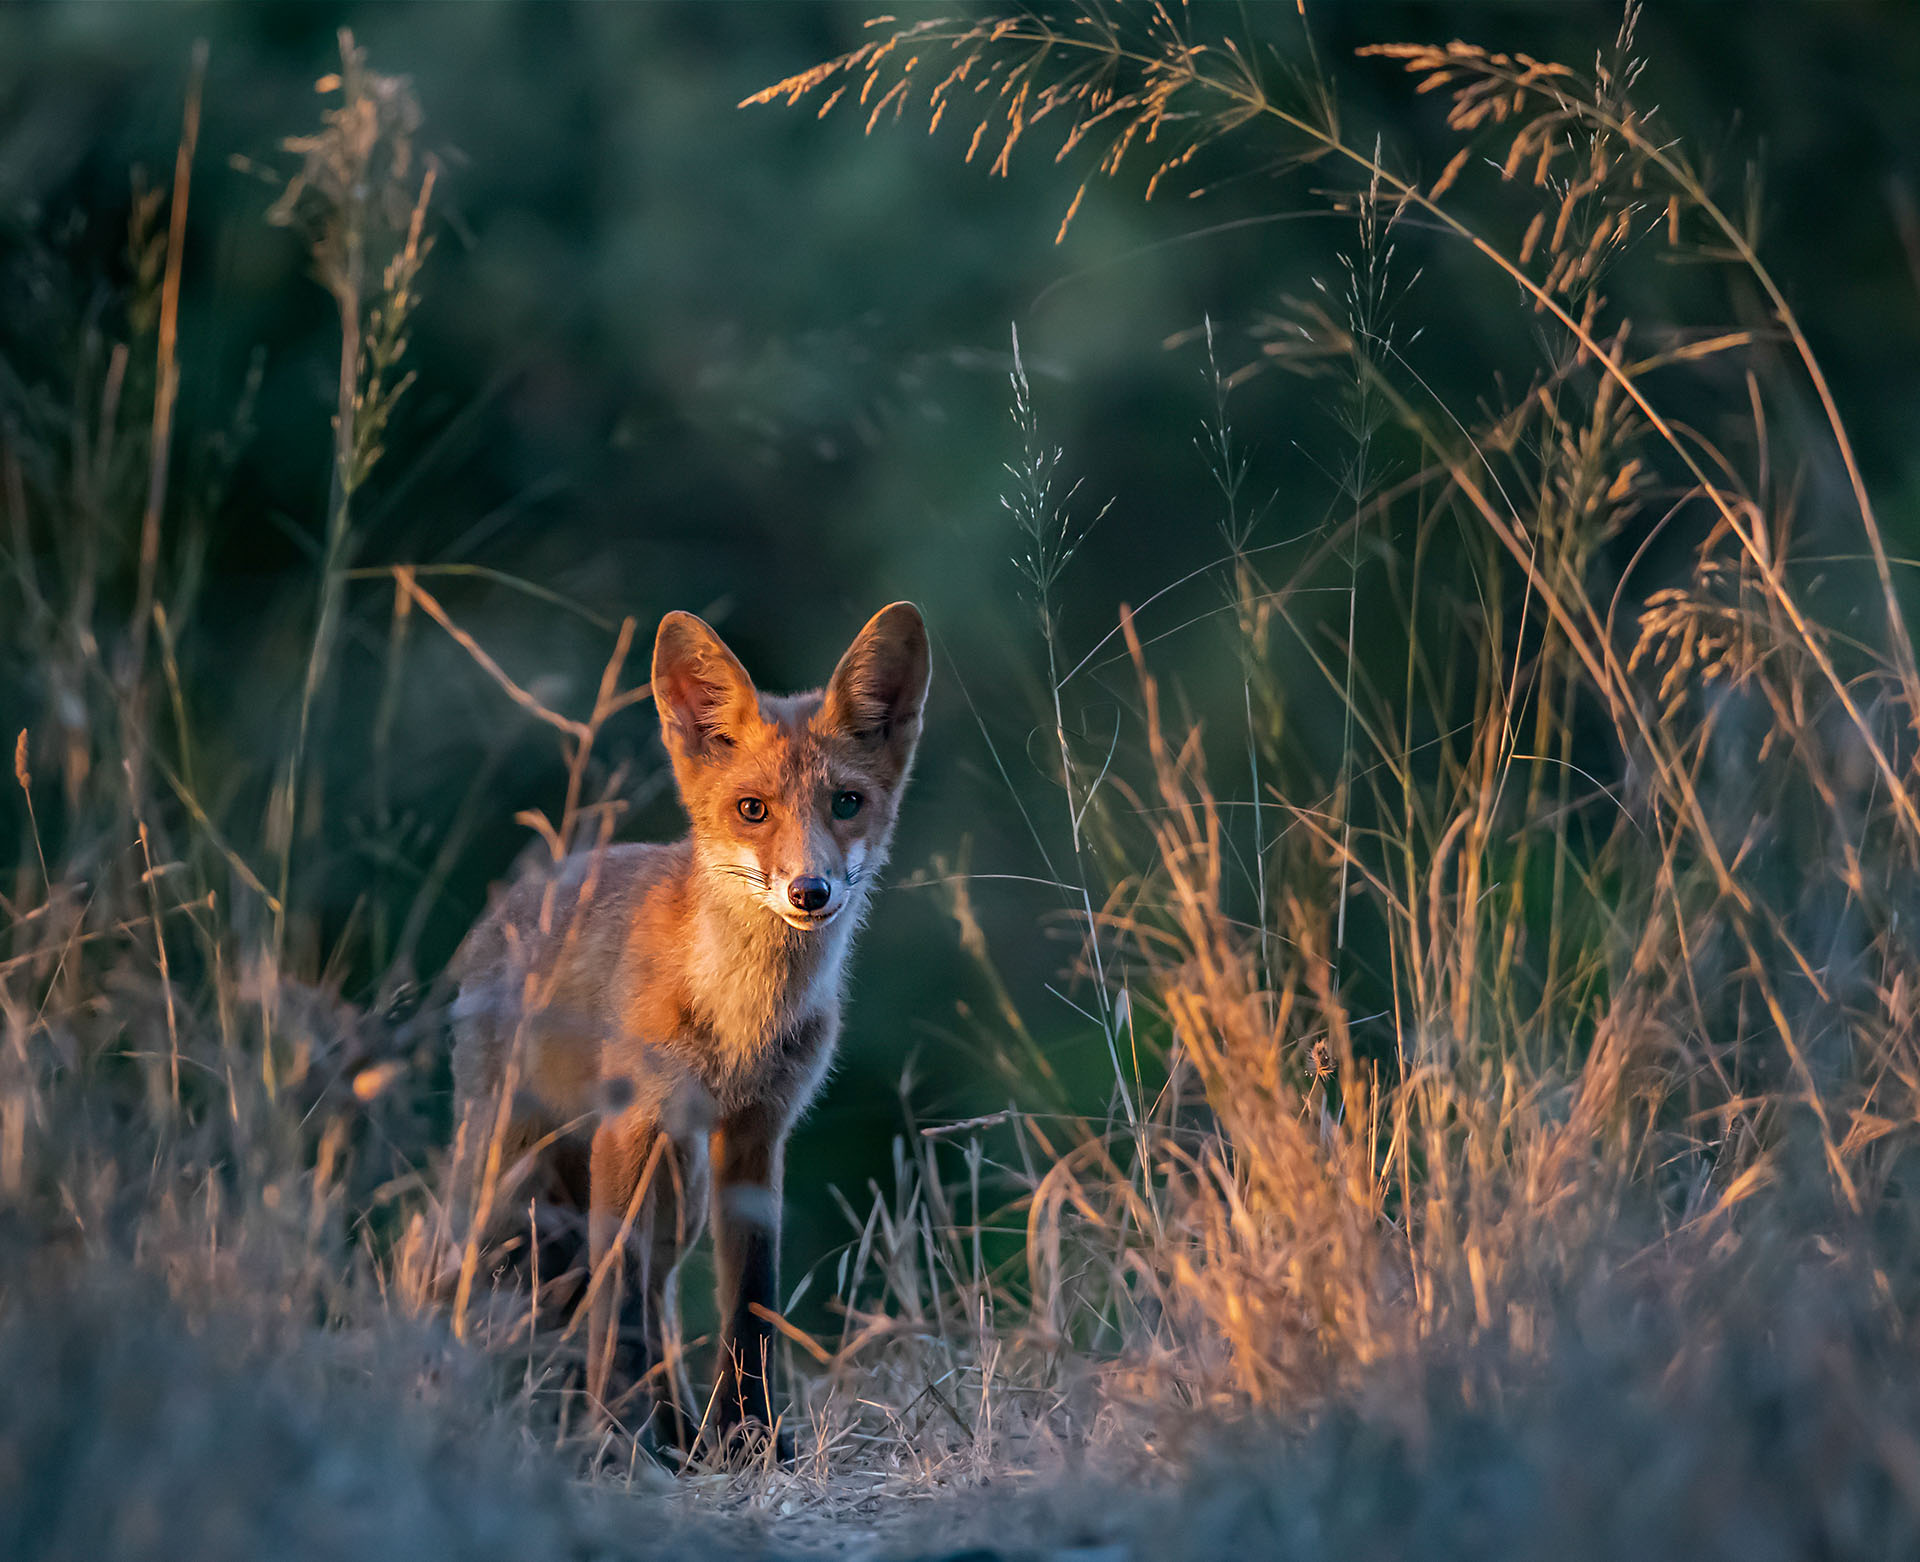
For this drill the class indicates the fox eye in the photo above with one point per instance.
(846, 804)
(753, 810)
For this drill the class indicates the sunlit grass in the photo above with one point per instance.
(1578, 979)
(1540, 1056)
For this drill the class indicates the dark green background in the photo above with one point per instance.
(675, 354)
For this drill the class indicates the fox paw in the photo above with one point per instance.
(745, 1444)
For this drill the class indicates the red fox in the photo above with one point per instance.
(642, 1024)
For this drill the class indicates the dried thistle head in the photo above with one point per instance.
(357, 175)
(360, 198)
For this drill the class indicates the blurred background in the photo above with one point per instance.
(675, 353)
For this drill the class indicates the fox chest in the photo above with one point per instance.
(777, 1071)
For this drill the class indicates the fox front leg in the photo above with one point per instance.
(747, 1152)
(646, 1206)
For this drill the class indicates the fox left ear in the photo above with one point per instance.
(704, 695)
(880, 687)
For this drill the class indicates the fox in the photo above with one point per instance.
(637, 1027)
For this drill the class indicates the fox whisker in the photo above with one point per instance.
(753, 876)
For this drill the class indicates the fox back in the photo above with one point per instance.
(657, 1016)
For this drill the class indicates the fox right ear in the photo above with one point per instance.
(703, 693)
(879, 689)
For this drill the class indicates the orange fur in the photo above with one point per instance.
(651, 1019)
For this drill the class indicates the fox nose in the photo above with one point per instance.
(809, 894)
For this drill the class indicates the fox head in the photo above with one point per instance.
(792, 797)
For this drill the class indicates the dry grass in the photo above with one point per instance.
(1512, 1105)
(1579, 980)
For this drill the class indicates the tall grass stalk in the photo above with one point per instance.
(1050, 539)
(167, 388)
(356, 195)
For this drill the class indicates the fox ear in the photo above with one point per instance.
(880, 687)
(704, 695)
